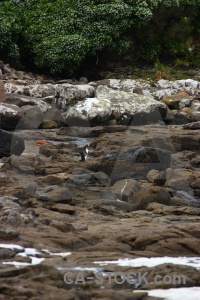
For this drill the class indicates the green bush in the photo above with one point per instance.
(61, 33)
(58, 35)
(10, 28)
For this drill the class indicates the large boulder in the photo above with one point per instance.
(10, 143)
(9, 116)
(68, 94)
(124, 189)
(126, 108)
(130, 108)
(137, 161)
(91, 111)
(147, 195)
(32, 117)
(28, 113)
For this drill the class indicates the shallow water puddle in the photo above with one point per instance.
(79, 141)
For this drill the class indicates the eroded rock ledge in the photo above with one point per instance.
(50, 200)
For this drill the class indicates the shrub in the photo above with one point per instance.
(57, 35)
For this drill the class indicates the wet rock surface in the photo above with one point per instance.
(58, 213)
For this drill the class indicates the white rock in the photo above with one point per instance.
(8, 109)
(36, 90)
(87, 110)
(123, 106)
(65, 93)
(127, 84)
(126, 105)
(166, 92)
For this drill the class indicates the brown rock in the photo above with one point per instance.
(55, 194)
(177, 101)
(2, 92)
(6, 254)
(63, 208)
(54, 179)
(196, 184)
(142, 198)
(187, 110)
(179, 179)
(7, 234)
(156, 177)
(161, 209)
(49, 124)
(62, 226)
(124, 189)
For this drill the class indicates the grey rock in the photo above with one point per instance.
(68, 94)
(10, 210)
(136, 162)
(193, 125)
(32, 117)
(55, 194)
(23, 164)
(10, 143)
(22, 100)
(9, 116)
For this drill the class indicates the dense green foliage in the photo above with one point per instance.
(58, 35)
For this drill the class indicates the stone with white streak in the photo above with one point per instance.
(66, 93)
(124, 107)
(91, 111)
(9, 116)
(128, 85)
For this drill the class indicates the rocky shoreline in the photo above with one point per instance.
(136, 196)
